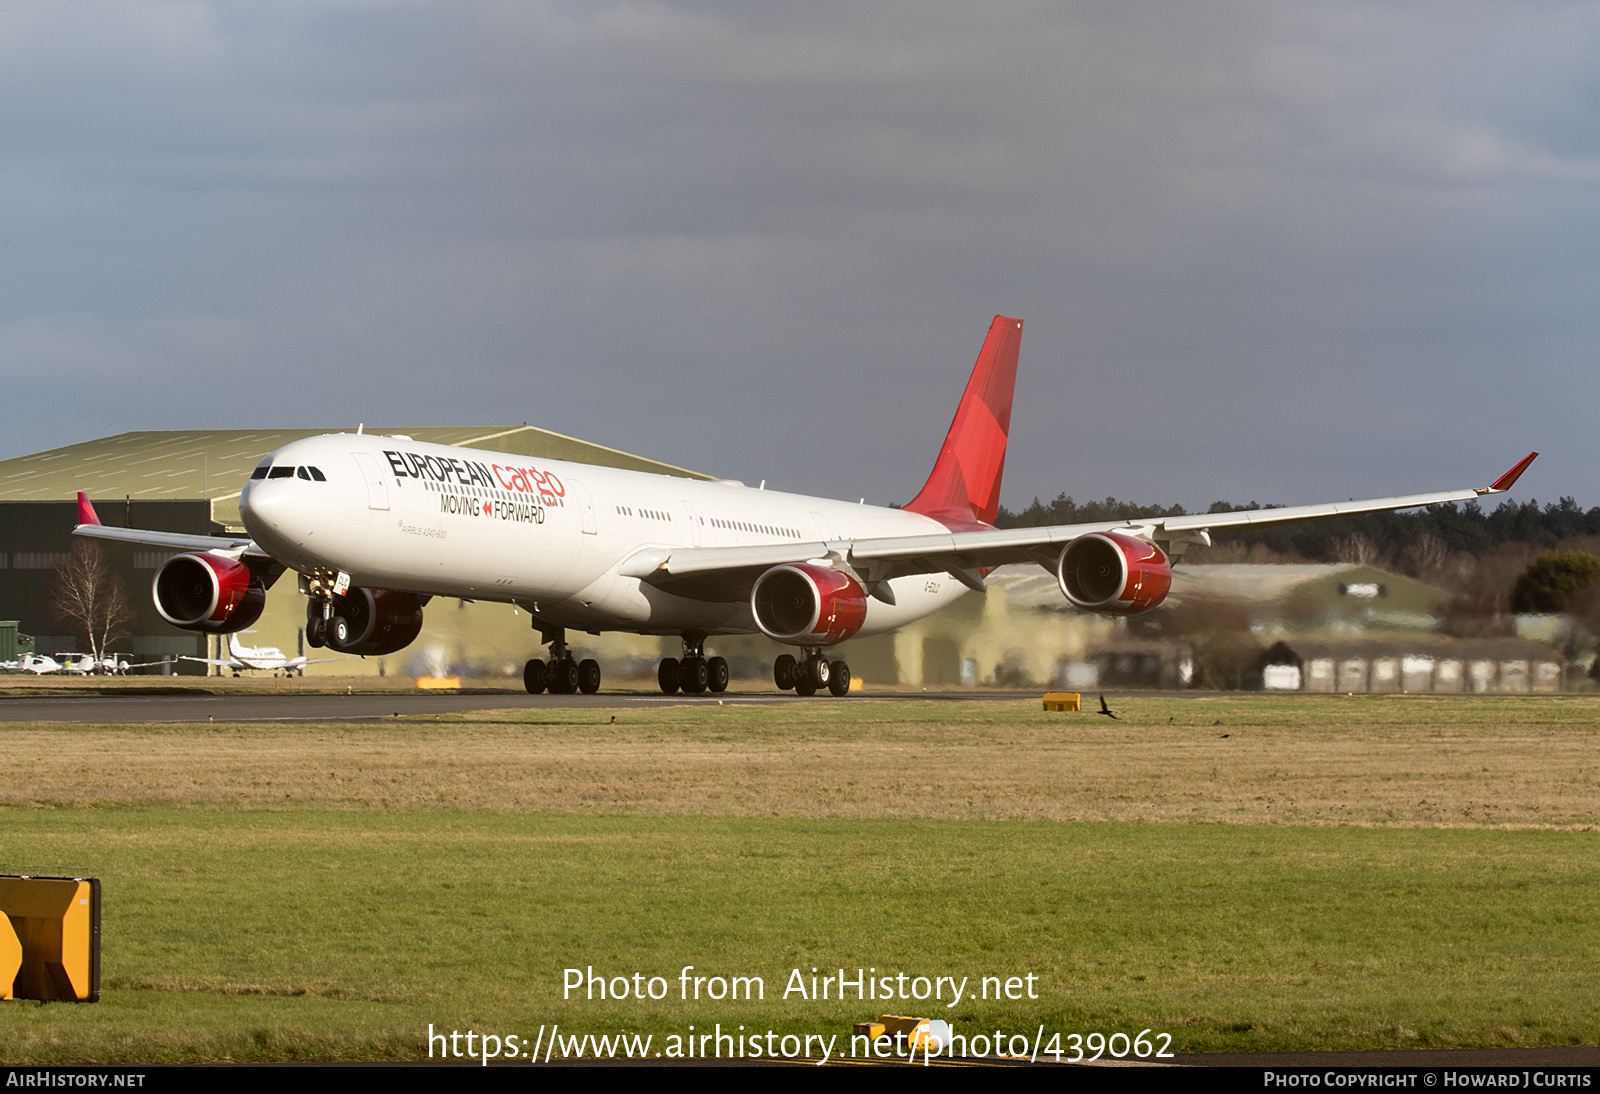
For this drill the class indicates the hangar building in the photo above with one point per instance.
(189, 481)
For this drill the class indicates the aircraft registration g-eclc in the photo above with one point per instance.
(376, 525)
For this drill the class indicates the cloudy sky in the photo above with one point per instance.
(1280, 251)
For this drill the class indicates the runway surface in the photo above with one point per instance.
(371, 707)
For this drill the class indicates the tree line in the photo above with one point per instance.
(1451, 528)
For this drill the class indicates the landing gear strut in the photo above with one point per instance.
(694, 672)
(812, 675)
(564, 674)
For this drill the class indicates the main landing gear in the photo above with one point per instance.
(811, 675)
(694, 673)
(564, 674)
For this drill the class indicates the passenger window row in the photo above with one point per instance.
(648, 514)
(760, 529)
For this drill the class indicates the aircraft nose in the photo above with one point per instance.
(305, 522)
(273, 515)
(263, 506)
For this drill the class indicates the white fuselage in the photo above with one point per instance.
(469, 523)
(259, 657)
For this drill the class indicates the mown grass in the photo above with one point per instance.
(1469, 762)
(1244, 872)
(341, 934)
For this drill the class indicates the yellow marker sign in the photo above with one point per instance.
(55, 924)
(10, 957)
(1063, 700)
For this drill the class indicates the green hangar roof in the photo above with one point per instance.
(213, 464)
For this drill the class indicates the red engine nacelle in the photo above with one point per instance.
(374, 621)
(206, 592)
(807, 605)
(1113, 574)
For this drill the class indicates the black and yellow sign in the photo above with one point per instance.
(50, 938)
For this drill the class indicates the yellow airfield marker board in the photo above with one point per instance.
(50, 944)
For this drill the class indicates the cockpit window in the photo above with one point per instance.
(316, 475)
(282, 471)
(261, 469)
(301, 473)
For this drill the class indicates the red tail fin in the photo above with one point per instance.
(965, 485)
(86, 514)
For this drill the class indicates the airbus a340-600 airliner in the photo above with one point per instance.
(376, 525)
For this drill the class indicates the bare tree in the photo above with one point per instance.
(1355, 548)
(1427, 558)
(88, 597)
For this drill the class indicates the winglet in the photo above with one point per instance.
(86, 513)
(1508, 480)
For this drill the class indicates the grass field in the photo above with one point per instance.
(1332, 873)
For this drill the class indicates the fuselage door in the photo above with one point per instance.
(694, 523)
(377, 490)
(585, 507)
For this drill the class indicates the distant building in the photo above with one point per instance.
(1391, 664)
(1019, 632)
(189, 481)
(1358, 629)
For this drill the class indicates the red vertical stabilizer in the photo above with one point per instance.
(86, 514)
(964, 489)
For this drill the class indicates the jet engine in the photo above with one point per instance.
(371, 621)
(1113, 574)
(806, 605)
(207, 592)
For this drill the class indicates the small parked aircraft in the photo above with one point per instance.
(261, 657)
(36, 663)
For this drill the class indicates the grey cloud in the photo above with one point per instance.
(1284, 251)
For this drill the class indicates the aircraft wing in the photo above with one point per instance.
(89, 525)
(177, 541)
(209, 661)
(726, 570)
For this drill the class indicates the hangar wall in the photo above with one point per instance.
(189, 481)
(36, 536)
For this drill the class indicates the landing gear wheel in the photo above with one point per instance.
(693, 675)
(315, 629)
(589, 676)
(783, 672)
(717, 673)
(563, 676)
(803, 685)
(817, 671)
(839, 678)
(338, 632)
(533, 677)
(667, 675)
